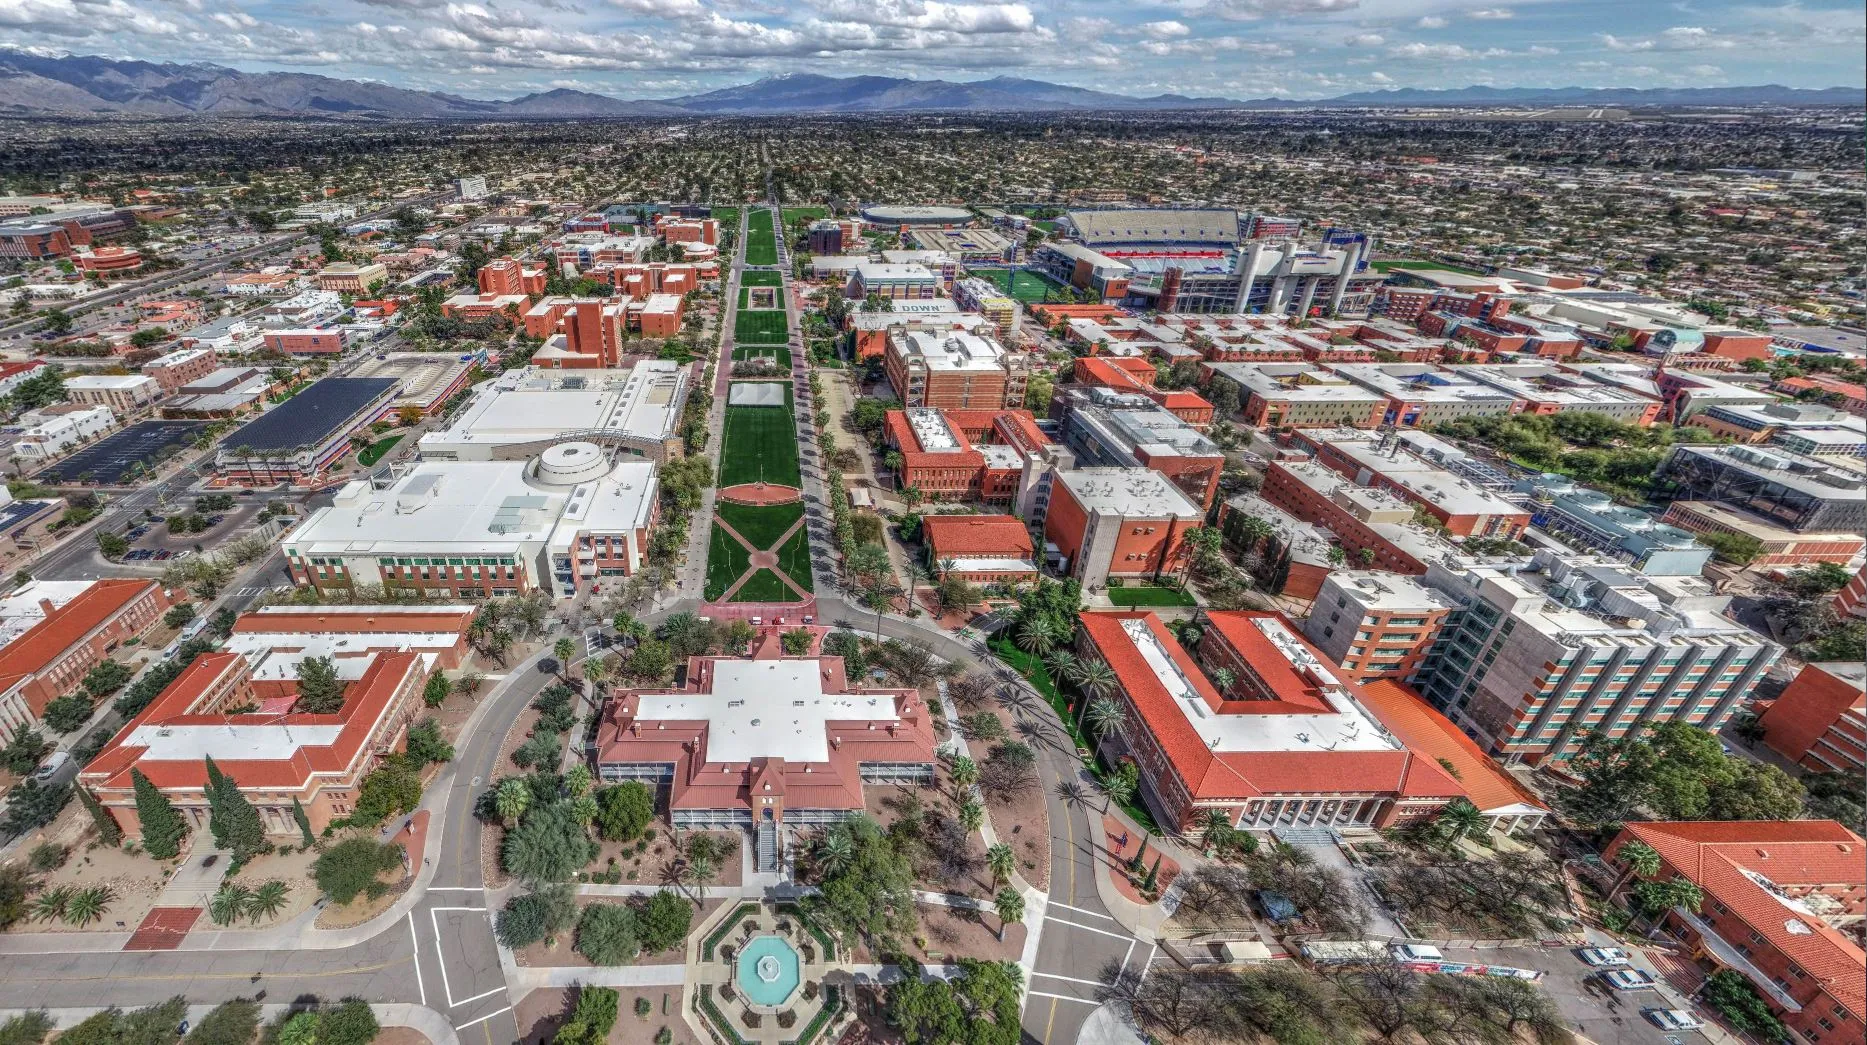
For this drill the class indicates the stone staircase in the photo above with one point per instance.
(767, 847)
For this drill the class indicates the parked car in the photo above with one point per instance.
(50, 767)
(1628, 980)
(1672, 1019)
(1602, 957)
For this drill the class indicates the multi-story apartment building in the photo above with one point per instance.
(1819, 721)
(1540, 655)
(954, 371)
(1286, 555)
(507, 276)
(181, 367)
(567, 522)
(1123, 523)
(1374, 528)
(1374, 624)
(1461, 506)
(984, 297)
(1419, 395)
(124, 394)
(1776, 897)
(1132, 376)
(52, 633)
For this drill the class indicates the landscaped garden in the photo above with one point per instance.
(763, 529)
(1150, 595)
(760, 445)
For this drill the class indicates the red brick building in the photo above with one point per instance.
(305, 342)
(1286, 743)
(1852, 599)
(768, 740)
(1361, 518)
(1121, 523)
(60, 631)
(1137, 376)
(982, 549)
(181, 367)
(963, 455)
(1820, 720)
(1774, 892)
(505, 276)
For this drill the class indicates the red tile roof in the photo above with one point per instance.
(1240, 775)
(1716, 854)
(66, 625)
(368, 620)
(1290, 693)
(994, 536)
(1427, 732)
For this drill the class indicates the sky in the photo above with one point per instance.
(1229, 48)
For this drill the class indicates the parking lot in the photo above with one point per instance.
(1598, 1013)
(113, 460)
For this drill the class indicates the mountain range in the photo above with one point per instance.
(74, 85)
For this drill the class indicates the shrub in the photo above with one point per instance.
(607, 934)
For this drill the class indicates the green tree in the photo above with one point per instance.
(320, 691)
(548, 846)
(871, 895)
(511, 798)
(977, 1007)
(391, 789)
(1009, 905)
(434, 694)
(591, 1019)
(1656, 897)
(108, 831)
(425, 745)
(528, 918)
(303, 821)
(351, 1022)
(624, 811)
(664, 921)
(28, 1028)
(1002, 862)
(163, 828)
(1731, 994)
(606, 934)
(233, 821)
(230, 1023)
(354, 867)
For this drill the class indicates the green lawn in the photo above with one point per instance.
(761, 242)
(752, 278)
(372, 453)
(760, 444)
(777, 352)
(765, 586)
(745, 301)
(1149, 595)
(794, 559)
(762, 524)
(762, 327)
(1020, 284)
(1388, 266)
(726, 560)
(796, 214)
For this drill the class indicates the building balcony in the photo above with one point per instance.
(1730, 957)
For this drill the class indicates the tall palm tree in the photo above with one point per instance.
(1105, 717)
(512, 798)
(1061, 662)
(1118, 789)
(965, 773)
(1638, 860)
(1002, 861)
(1222, 679)
(1036, 637)
(1094, 677)
(834, 852)
(971, 815)
(1458, 819)
(917, 575)
(1009, 903)
(1214, 826)
(267, 900)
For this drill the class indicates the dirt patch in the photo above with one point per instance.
(664, 1010)
(294, 869)
(952, 860)
(649, 861)
(1021, 820)
(947, 935)
(540, 1013)
(400, 1036)
(136, 879)
(362, 909)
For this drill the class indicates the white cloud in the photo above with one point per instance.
(1164, 30)
(1495, 14)
(1444, 52)
(1366, 40)
(1380, 77)
(78, 19)
(1431, 22)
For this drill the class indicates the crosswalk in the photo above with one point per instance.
(256, 590)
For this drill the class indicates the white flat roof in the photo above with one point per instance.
(1349, 728)
(948, 350)
(261, 742)
(1128, 492)
(108, 381)
(20, 611)
(531, 404)
(767, 708)
(932, 431)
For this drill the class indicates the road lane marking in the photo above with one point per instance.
(439, 958)
(416, 941)
(1090, 928)
(483, 1019)
(1070, 979)
(1054, 998)
(476, 997)
(1080, 910)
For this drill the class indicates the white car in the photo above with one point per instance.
(1417, 952)
(1629, 980)
(1672, 1019)
(1603, 957)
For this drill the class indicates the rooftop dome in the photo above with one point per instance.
(568, 464)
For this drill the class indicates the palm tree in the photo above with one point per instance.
(1639, 860)
(1094, 677)
(1002, 861)
(468, 683)
(499, 643)
(699, 868)
(1214, 827)
(1252, 532)
(1036, 637)
(512, 798)
(917, 574)
(1010, 906)
(1105, 717)
(1118, 788)
(51, 904)
(577, 780)
(229, 903)
(971, 815)
(267, 900)
(596, 672)
(965, 773)
(1458, 819)
(89, 905)
(1061, 663)
(564, 649)
(1222, 679)
(834, 852)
